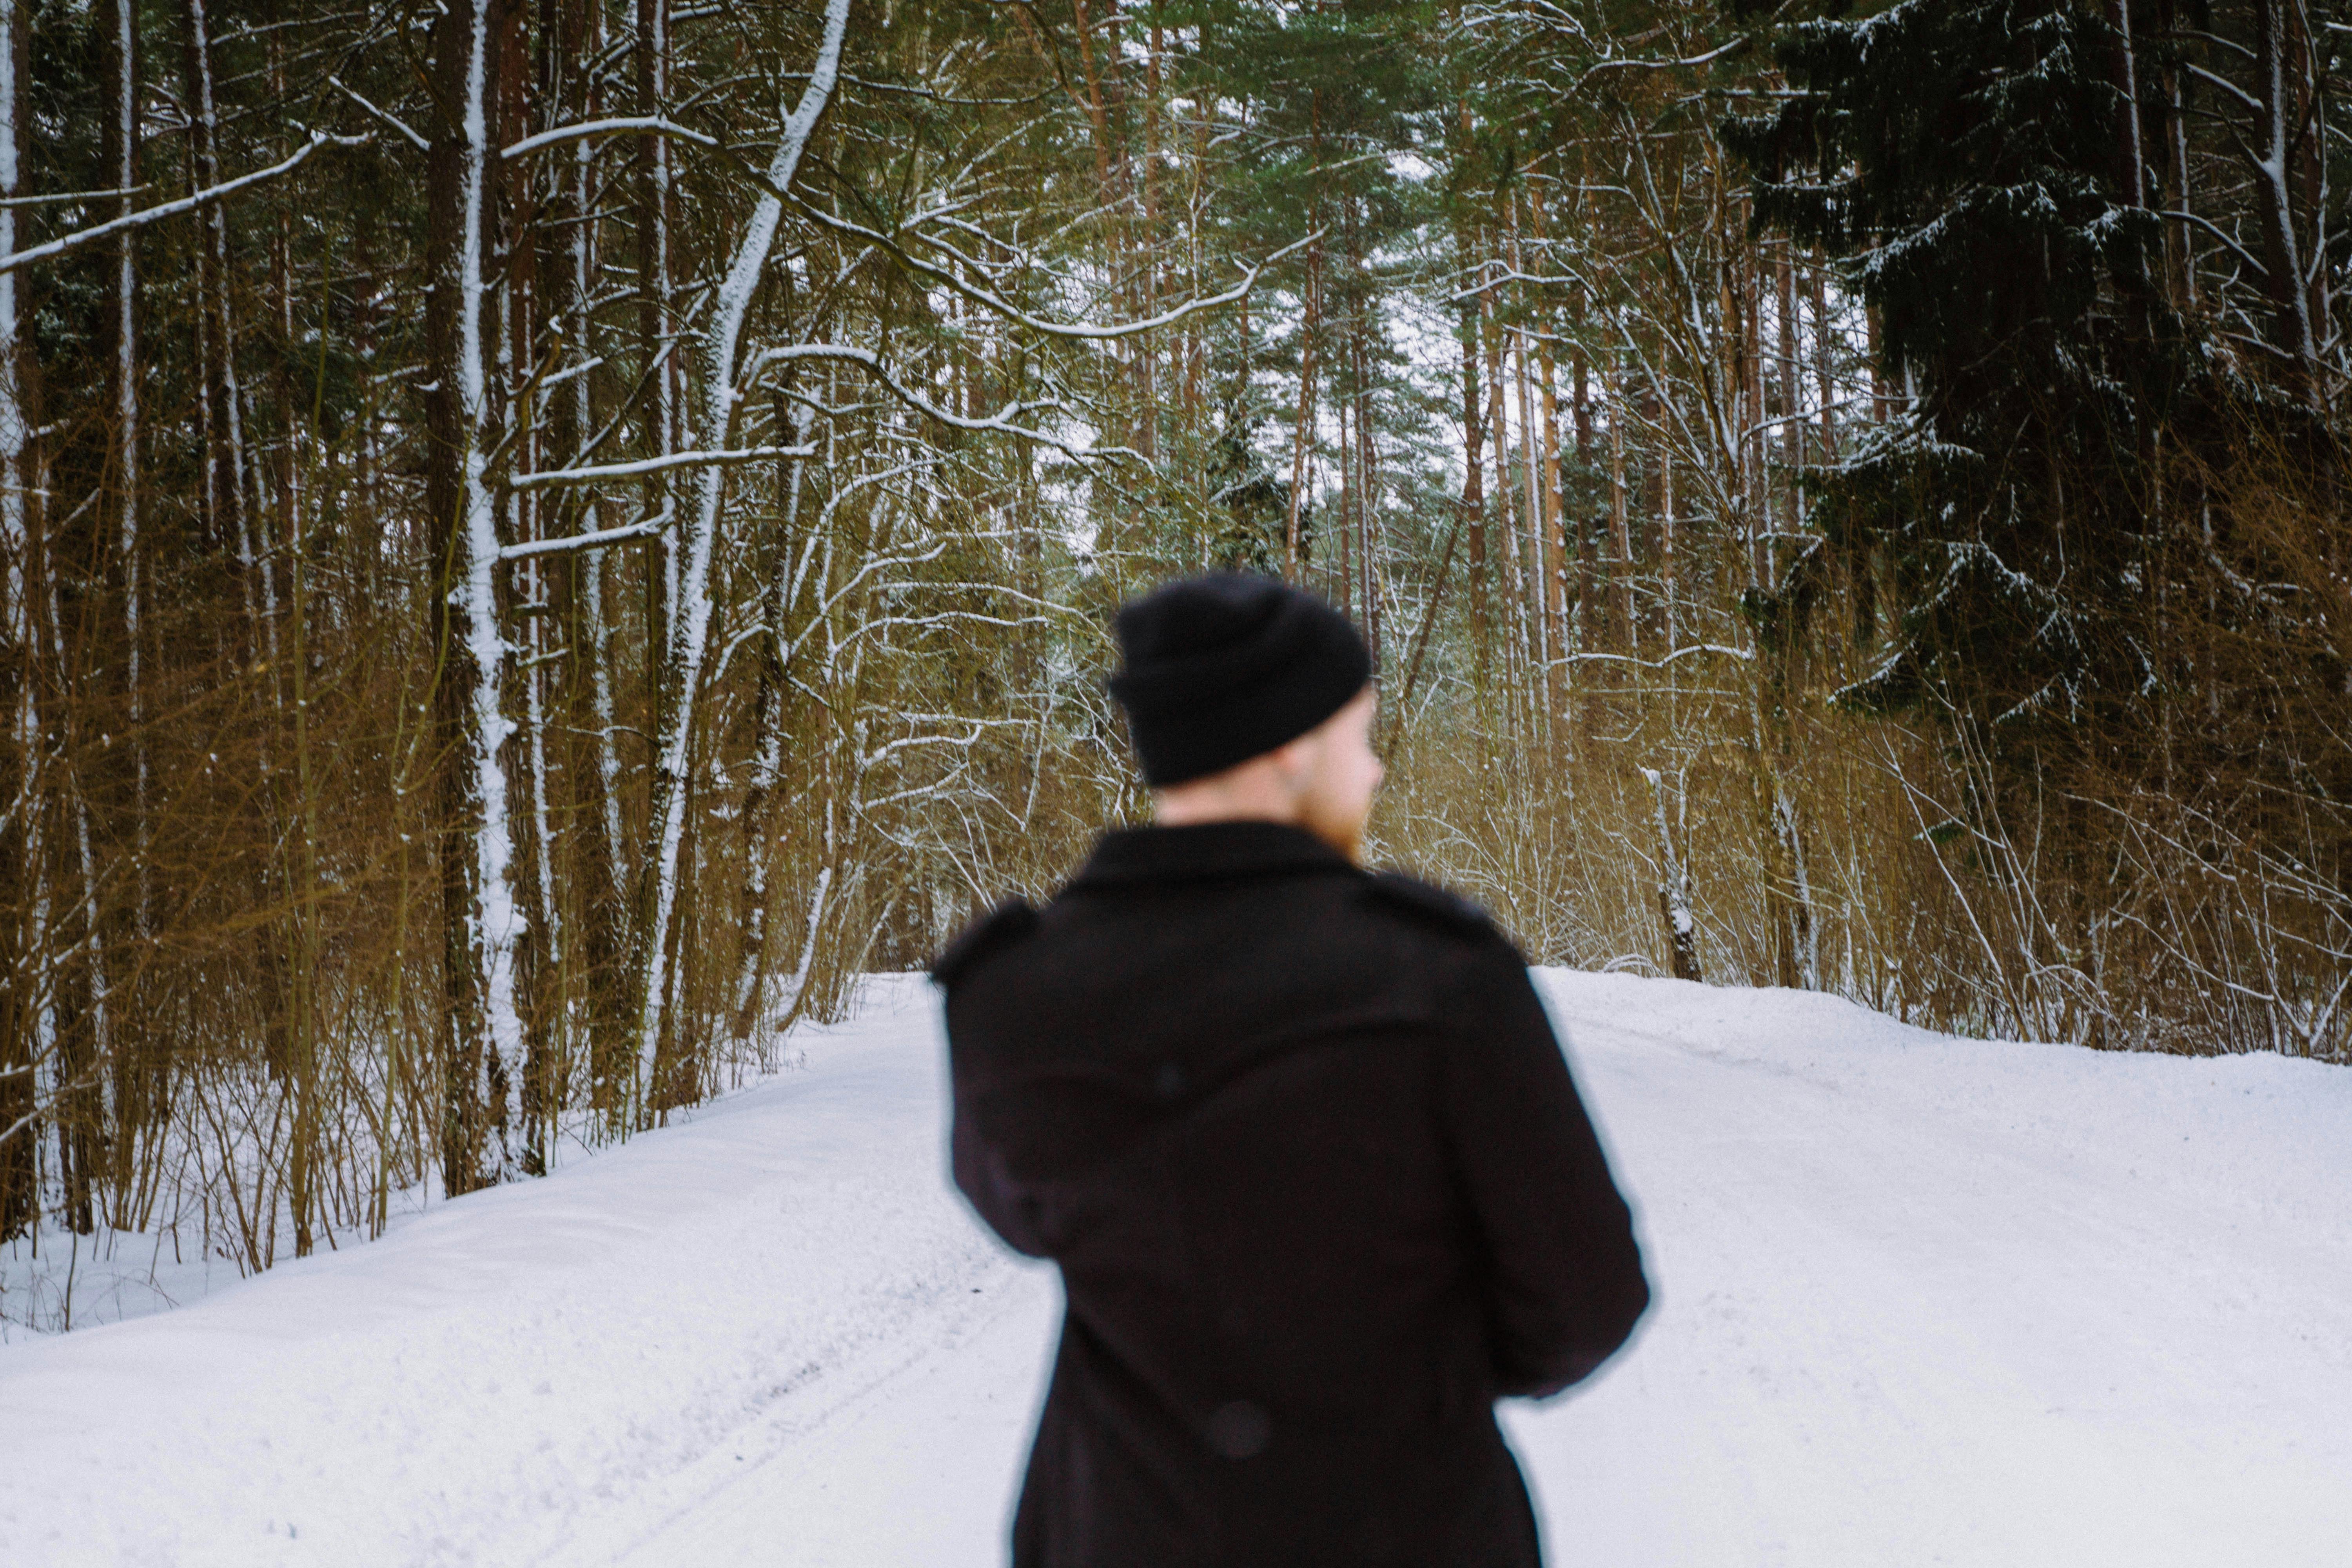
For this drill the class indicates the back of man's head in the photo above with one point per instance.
(1223, 668)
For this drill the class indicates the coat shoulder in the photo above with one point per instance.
(1002, 928)
(1432, 907)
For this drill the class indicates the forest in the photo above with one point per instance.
(543, 538)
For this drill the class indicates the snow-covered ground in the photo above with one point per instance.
(1922, 1300)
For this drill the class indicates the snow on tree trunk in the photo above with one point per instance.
(591, 759)
(483, 1071)
(2284, 94)
(1674, 878)
(768, 748)
(20, 1054)
(690, 619)
(1474, 489)
(499, 922)
(223, 398)
(127, 430)
(15, 535)
(659, 342)
(1804, 939)
(796, 984)
(1293, 562)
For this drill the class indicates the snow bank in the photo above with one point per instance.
(1927, 1300)
(1921, 1301)
(527, 1371)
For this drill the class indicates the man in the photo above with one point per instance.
(1299, 1137)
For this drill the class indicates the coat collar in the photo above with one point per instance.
(1129, 855)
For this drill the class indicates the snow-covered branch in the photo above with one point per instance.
(383, 116)
(598, 538)
(996, 302)
(599, 473)
(12, 260)
(637, 125)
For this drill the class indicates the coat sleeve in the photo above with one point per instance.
(982, 1177)
(979, 1170)
(1563, 1271)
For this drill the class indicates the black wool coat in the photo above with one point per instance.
(1308, 1152)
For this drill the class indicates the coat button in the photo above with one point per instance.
(1169, 1081)
(1240, 1430)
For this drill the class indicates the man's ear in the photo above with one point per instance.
(1285, 762)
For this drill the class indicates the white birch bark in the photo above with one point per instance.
(699, 529)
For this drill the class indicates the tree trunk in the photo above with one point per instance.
(2131, 169)
(540, 957)
(682, 664)
(767, 742)
(1506, 525)
(1534, 451)
(20, 1009)
(1554, 545)
(660, 352)
(1100, 74)
(1531, 487)
(124, 159)
(1824, 381)
(2283, 137)
(138, 1070)
(1667, 587)
(221, 397)
(2180, 255)
(1474, 491)
(1621, 522)
(1146, 348)
(482, 1035)
(1587, 581)
(1754, 507)
(590, 758)
(1792, 390)
(1673, 876)
(1303, 432)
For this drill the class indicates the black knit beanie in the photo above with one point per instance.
(1223, 668)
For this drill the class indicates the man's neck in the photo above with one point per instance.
(1244, 795)
(1292, 812)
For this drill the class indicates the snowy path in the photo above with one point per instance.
(1922, 1301)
